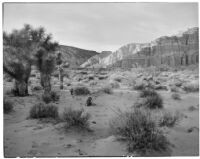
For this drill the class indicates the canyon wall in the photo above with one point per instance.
(173, 51)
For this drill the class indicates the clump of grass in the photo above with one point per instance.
(81, 90)
(139, 129)
(107, 90)
(42, 110)
(77, 118)
(51, 97)
(153, 102)
(170, 120)
(151, 99)
(191, 87)
(176, 96)
(7, 105)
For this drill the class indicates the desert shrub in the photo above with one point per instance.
(36, 88)
(176, 96)
(81, 90)
(7, 105)
(170, 120)
(77, 118)
(42, 110)
(107, 90)
(153, 102)
(47, 98)
(139, 129)
(54, 96)
(191, 87)
(148, 92)
(51, 97)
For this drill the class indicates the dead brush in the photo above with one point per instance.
(140, 130)
(76, 118)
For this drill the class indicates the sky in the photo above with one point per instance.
(102, 26)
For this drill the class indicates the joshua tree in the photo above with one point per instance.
(19, 51)
(18, 48)
(45, 61)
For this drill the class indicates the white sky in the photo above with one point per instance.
(102, 26)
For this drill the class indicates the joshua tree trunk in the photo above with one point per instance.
(21, 88)
(60, 69)
(46, 83)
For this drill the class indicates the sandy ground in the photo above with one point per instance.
(26, 137)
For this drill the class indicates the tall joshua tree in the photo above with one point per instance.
(18, 48)
(45, 61)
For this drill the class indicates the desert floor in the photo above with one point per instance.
(29, 137)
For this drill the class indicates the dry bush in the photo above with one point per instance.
(81, 90)
(51, 97)
(42, 110)
(174, 88)
(176, 96)
(153, 102)
(7, 105)
(169, 119)
(139, 129)
(77, 118)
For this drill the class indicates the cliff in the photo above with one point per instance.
(75, 56)
(182, 49)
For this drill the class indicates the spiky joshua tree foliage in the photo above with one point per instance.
(19, 50)
(45, 61)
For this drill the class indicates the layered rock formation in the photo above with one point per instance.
(174, 51)
(96, 61)
(75, 56)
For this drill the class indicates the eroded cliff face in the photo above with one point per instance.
(173, 51)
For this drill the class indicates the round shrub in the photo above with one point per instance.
(81, 91)
(76, 118)
(42, 110)
(153, 102)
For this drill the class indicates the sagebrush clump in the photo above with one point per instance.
(42, 110)
(139, 129)
(81, 90)
(77, 118)
(51, 97)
